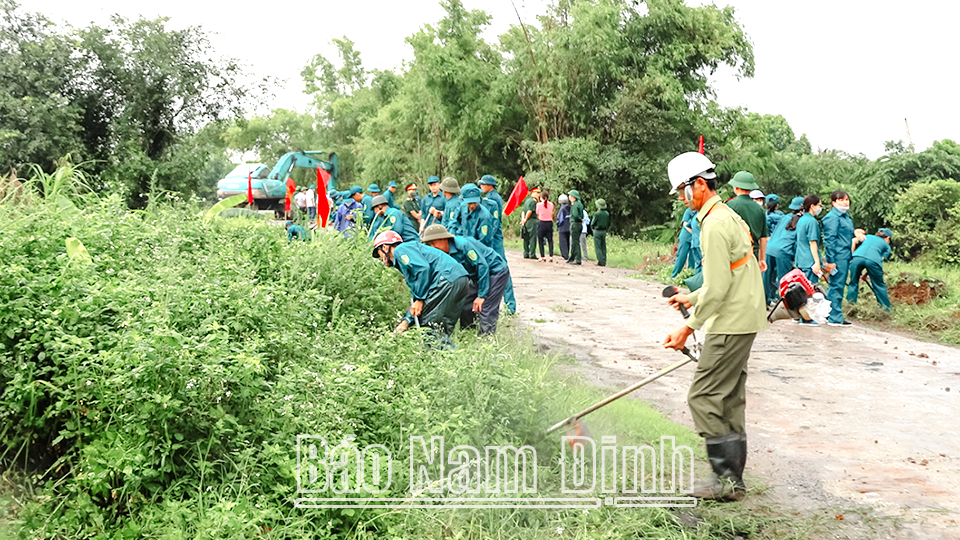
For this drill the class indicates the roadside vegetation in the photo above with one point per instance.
(157, 366)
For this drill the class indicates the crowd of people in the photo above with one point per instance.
(738, 264)
(573, 224)
(447, 244)
(831, 248)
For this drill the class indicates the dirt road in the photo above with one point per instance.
(837, 417)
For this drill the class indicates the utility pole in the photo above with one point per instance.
(909, 139)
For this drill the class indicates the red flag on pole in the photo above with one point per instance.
(700, 149)
(250, 188)
(323, 179)
(323, 204)
(516, 197)
(291, 187)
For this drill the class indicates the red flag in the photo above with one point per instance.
(323, 178)
(291, 187)
(323, 204)
(516, 197)
(700, 149)
(250, 188)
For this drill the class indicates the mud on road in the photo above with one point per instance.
(837, 417)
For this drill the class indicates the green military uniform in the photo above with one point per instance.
(730, 308)
(756, 219)
(409, 206)
(600, 223)
(576, 225)
(529, 230)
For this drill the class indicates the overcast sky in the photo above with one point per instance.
(845, 72)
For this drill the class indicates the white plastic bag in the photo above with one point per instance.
(818, 307)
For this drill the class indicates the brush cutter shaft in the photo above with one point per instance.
(625, 391)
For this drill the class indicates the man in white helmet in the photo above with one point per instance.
(730, 309)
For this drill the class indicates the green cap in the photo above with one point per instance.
(601, 204)
(435, 232)
(574, 193)
(470, 194)
(433, 179)
(772, 198)
(450, 185)
(354, 190)
(886, 232)
(796, 203)
(488, 180)
(744, 180)
(373, 188)
(392, 184)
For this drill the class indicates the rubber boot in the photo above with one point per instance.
(728, 458)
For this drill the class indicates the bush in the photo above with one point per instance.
(156, 376)
(926, 217)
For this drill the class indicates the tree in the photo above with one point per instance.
(39, 115)
(153, 88)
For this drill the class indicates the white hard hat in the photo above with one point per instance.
(756, 194)
(686, 166)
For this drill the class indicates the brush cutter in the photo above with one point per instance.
(573, 424)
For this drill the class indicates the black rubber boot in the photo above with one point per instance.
(728, 457)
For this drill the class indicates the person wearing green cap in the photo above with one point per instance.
(438, 284)
(487, 270)
(752, 214)
(432, 204)
(838, 236)
(350, 212)
(391, 219)
(372, 191)
(600, 224)
(528, 224)
(451, 207)
(576, 224)
(869, 256)
(494, 203)
(390, 193)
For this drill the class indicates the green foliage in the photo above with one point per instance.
(132, 97)
(874, 197)
(38, 91)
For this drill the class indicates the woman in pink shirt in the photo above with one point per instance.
(545, 227)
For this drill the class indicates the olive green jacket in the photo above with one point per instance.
(731, 301)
